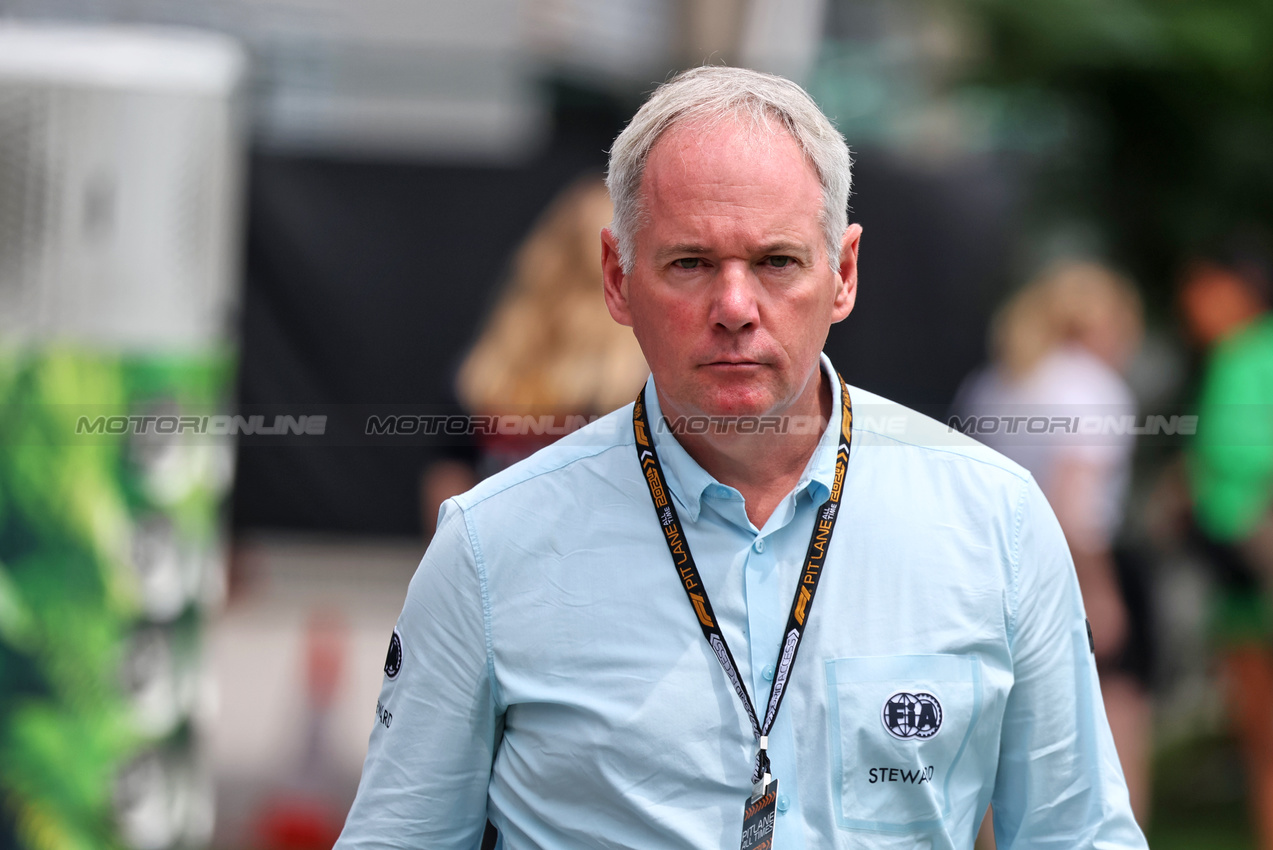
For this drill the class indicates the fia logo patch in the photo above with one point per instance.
(393, 661)
(908, 715)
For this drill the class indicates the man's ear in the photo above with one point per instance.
(614, 281)
(846, 292)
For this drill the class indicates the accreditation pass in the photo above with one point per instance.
(758, 819)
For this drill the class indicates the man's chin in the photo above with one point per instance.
(733, 403)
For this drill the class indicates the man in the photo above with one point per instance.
(704, 621)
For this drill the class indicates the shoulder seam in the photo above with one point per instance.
(479, 562)
(539, 473)
(531, 477)
(1015, 591)
(1007, 470)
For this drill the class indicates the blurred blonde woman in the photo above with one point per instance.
(549, 346)
(1059, 349)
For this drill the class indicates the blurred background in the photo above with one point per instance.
(305, 214)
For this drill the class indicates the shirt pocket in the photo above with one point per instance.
(899, 728)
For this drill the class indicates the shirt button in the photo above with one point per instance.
(759, 545)
(783, 803)
(768, 672)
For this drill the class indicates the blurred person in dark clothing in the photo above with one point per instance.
(1224, 302)
(1060, 346)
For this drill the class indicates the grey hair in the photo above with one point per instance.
(711, 94)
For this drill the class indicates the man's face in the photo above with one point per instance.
(731, 294)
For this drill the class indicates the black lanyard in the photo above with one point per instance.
(819, 542)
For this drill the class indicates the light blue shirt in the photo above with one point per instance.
(554, 677)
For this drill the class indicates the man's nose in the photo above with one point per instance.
(734, 304)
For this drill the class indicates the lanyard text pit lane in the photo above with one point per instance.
(678, 546)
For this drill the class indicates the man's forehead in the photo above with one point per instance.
(724, 144)
(756, 182)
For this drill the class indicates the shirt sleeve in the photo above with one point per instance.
(1059, 784)
(424, 782)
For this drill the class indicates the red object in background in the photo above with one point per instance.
(326, 642)
(298, 823)
(300, 819)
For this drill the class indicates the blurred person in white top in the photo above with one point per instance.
(1060, 346)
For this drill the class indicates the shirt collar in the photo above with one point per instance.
(689, 482)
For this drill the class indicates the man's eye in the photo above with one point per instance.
(687, 263)
(781, 262)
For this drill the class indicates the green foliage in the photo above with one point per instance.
(1170, 110)
(62, 718)
(62, 759)
(1200, 796)
(70, 596)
